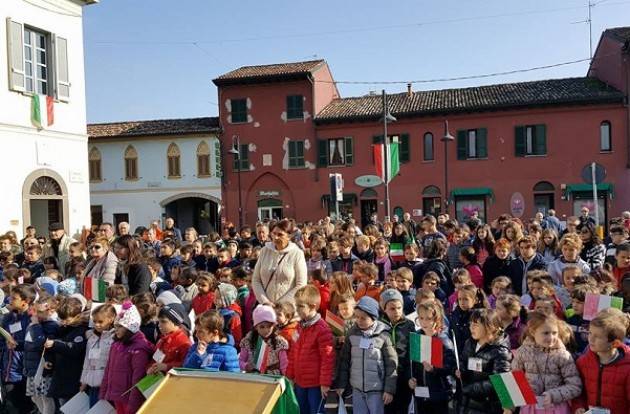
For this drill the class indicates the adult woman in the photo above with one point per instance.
(132, 271)
(483, 243)
(281, 267)
(435, 261)
(400, 235)
(103, 262)
(593, 250)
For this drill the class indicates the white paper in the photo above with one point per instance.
(342, 406)
(79, 404)
(102, 407)
(158, 356)
(422, 392)
(192, 316)
(15, 327)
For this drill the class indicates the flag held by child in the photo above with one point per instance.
(94, 289)
(397, 252)
(261, 355)
(595, 303)
(513, 389)
(336, 324)
(425, 348)
(149, 384)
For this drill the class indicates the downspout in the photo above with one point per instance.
(315, 145)
(625, 53)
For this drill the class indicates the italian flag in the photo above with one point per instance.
(94, 289)
(393, 163)
(337, 325)
(42, 111)
(396, 251)
(425, 348)
(149, 384)
(261, 355)
(595, 303)
(513, 389)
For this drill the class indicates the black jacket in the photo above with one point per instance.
(492, 268)
(438, 266)
(36, 335)
(341, 264)
(517, 271)
(138, 279)
(459, 322)
(399, 333)
(440, 388)
(69, 352)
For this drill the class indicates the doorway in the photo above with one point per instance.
(369, 205)
(44, 200)
(200, 213)
(270, 209)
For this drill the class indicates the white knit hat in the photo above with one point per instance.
(129, 317)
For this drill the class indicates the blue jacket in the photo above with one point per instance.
(518, 271)
(227, 314)
(36, 335)
(12, 359)
(37, 268)
(167, 264)
(219, 356)
(440, 388)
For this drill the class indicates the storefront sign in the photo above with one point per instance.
(416, 212)
(517, 205)
(368, 181)
(268, 193)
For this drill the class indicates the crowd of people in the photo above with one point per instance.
(333, 306)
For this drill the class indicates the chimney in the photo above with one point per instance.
(409, 90)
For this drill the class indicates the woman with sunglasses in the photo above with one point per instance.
(103, 262)
(593, 250)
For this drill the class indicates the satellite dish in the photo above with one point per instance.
(600, 174)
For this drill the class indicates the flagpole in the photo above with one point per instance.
(386, 154)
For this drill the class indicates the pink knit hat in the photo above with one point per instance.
(264, 313)
(129, 317)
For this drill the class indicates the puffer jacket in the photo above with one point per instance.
(459, 322)
(96, 356)
(36, 335)
(311, 356)
(399, 334)
(477, 391)
(126, 366)
(492, 268)
(175, 347)
(279, 273)
(371, 369)
(219, 356)
(548, 370)
(69, 352)
(607, 385)
(13, 359)
(168, 263)
(440, 388)
(438, 266)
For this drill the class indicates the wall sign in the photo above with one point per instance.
(517, 205)
(268, 193)
(368, 181)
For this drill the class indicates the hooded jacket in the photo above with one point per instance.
(518, 269)
(279, 273)
(96, 356)
(12, 359)
(36, 335)
(69, 352)
(219, 356)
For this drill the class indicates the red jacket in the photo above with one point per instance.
(312, 357)
(175, 347)
(324, 293)
(605, 386)
(203, 302)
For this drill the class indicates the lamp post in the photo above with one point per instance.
(236, 151)
(387, 118)
(446, 139)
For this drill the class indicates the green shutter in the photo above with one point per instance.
(403, 156)
(245, 157)
(377, 139)
(462, 153)
(322, 153)
(348, 147)
(482, 143)
(300, 153)
(520, 147)
(540, 142)
(292, 153)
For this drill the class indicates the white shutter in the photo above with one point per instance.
(15, 45)
(62, 78)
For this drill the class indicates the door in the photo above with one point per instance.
(269, 213)
(368, 207)
(432, 206)
(543, 202)
(119, 218)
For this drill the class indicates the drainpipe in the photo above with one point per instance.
(625, 51)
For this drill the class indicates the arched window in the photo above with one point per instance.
(427, 145)
(95, 165)
(431, 191)
(544, 196)
(605, 137)
(368, 193)
(131, 163)
(203, 160)
(173, 156)
(544, 186)
(431, 200)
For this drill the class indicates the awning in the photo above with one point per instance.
(347, 198)
(270, 202)
(472, 191)
(588, 188)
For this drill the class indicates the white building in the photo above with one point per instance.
(146, 170)
(45, 173)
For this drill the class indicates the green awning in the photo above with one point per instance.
(348, 198)
(578, 188)
(472, 191)
(270, 202)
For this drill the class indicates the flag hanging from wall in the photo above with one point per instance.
(42, 111)
(393, 162)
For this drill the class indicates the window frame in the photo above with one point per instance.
(34, 62)
(173, 162)
(296, 160)
(243, 159)
(203, 159)
(131, 164)
(338, 142)
(95, 170)
(425, 157)
(242, 112)
(295, 112)
(603, 124)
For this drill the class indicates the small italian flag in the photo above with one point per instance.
(595, 303)
(393, 163)
(42, 111)
(94, 289)
(425, 348)
(149, 384)
(261, 355)
(513, 389)
(337, 325)
(397, 252)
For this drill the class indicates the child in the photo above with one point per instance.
(460, 278)
(318, 279)
(570, 247)
(116, 294)
(468, 257)
(317, 260)
(33, 261)
(399, 328)
(265, 329)
(287, 321)
(363, 250)
(541, 289)
(508, 313)
(211, 259)
(618, 236)
(168, 260)
(186, 253)
(382, 260)
(224, 275)
(205, 293)
(411, 253)
(500, 285)
(569, 274)
(390, 281)
(468, 298)
(241, 277)
(214, 349)
(483, 243)
(148, 310)
(404, 281)
(548, 246)
(225, 298)
(311, 358)
(340, 286)
(68, 350)
(457, 242)
(367, 274)
(368, 361)
(484, 354)
(185, 287)
(345, 260)
(431, 281)
(127, 364)
(174, 344)
(436, 389)
(548, 365)
(528, 260)
(575, 316)
(99, 342)
(622, 259)
(605, 367)
(225, 258)
(497, 264)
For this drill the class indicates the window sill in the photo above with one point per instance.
(131, 179)
(238, 122)
(606, 152)
(295, 119)
(475, 159)
(204, 176)
(535, 155)
(95, 181)
(428, 161)
(300, 167)
(174, 177)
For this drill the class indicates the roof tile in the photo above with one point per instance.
(154, 127)
(264, 72)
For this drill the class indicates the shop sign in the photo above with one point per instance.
(517, 205)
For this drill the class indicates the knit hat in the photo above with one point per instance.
(389, 295)
(369, 306)
(264, 313)
(173, 312)
(81, 299)
(48, 284)
(129, 317)
(167, 297)
(228, 294)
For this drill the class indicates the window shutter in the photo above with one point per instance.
(519, 139)
(15, 39)
(348, 148)
(377, 139)
(322, 153)
(462, 137)
(404, 154)
(482, 143)
(540, 144)
(61, 72)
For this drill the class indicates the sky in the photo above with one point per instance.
(155, 59)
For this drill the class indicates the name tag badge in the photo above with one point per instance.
(94, 353)
(158, 356)
(15, 327)
(365, 343)
(475, 364)
(598, 410)
(21, 280)
(28, 337)
(422, 392)
(540, 402)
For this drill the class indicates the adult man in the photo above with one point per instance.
(585, 218)
(170, 226)
(107, 230)
(262, 235)
(552, 222)
(572, 225)
(59, 244)
(123, 228)
(410, 225)
(430, 233)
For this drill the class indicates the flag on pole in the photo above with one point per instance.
(513, 389)
(42, 110)
(397, 252)
(425, 348)
(337, 325)
(261, 355)
(149, 384)
(94, 289)
(393, 162)
(595, 303)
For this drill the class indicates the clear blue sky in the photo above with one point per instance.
(152, 59)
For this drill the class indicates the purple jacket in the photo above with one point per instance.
(514, 331)
(126, 366)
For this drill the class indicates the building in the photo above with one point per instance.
(42, 121)
(519, 147)
(147, 170)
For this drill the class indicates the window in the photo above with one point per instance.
(335, 151)
(218, 172)
(431, 201)
(605, 141)
(295, 107)
(96, 213)
(95, 165)
(296, 154)
(544, 195)
(472, 143)
(467, 206)
(427, 145)
(243, 157)
(203, 160)
(131, 163)
(530, 140)
(239, 110)
(36, 61)
(404, 149)
(173, 158)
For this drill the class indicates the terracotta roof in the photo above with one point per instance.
(261, 73)
(482, 98)
(154, 127)
(620, 33)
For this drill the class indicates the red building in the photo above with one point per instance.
(519, 147)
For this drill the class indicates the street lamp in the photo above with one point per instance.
(387, 118)
(446, 139)
(236, 151)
